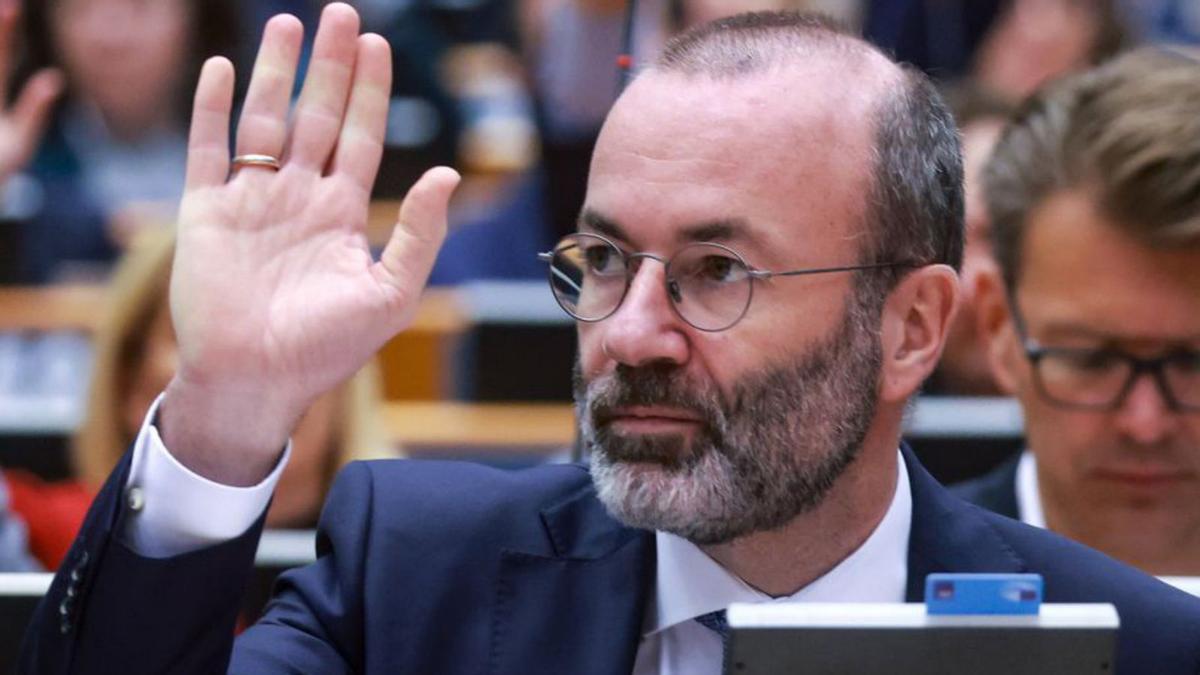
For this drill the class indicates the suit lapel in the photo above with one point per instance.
(949, 535)
(580, 610)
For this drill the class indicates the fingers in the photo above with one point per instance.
(319, 113)
(360, 145)
(208, 144)
(263, 124)
(409, 254)
(32, 107)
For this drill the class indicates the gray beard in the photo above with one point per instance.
(769, 454)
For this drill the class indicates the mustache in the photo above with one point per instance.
(651, 385)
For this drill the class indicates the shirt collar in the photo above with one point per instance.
(1029, 501)
(688, 583)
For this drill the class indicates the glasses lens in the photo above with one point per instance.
(1183, 377)
(587, 276)
(1083, 377)
(710, 286)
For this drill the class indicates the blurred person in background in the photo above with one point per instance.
(1007, 47)
(964, 369)
(112, 157)
(1093, 315)
(23, 115)
(1035, 41)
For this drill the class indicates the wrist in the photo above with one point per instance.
(231, 434)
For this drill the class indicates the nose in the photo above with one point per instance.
(1146, 416)
(645, 329)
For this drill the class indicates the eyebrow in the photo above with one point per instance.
(721, 230)
(1066, 330)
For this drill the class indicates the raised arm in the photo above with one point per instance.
(275, 297)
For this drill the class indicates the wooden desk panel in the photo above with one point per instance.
(416, 363)
(52, 308)
(500, 426)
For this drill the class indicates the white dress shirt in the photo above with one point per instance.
(179, 511)
(1029, 500)
(688, 584)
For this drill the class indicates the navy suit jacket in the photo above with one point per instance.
(995, 491)
(448, 568)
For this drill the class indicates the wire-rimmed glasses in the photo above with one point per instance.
(709, 284)
(1100, 379)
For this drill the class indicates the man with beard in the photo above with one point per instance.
(763, 274)
(1102, 346)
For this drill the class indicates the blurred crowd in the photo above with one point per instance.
(93, 134)
(511, 92)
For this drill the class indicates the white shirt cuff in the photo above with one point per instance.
(175, 511)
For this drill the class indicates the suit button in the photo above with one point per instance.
(64, 627)
(64, 609)
(77, 571)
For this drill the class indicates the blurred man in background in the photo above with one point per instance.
(1094, 315)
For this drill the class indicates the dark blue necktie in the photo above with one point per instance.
(717, 623)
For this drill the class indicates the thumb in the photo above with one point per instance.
(409, 255)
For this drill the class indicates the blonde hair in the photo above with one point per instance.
(1128, 132)
(137, 294)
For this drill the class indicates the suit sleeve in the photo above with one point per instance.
(112, 610)
(314, 621)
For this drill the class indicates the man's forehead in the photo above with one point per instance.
(797, 141)
(822, 91)
(1084, 274)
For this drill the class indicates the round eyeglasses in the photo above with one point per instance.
(710, 285)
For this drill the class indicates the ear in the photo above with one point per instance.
(995, 325)
(916, 319)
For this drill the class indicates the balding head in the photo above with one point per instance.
(913, 166)
(758, 42)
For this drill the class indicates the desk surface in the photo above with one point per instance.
(503, 426)
(51, 308)
(81, 308)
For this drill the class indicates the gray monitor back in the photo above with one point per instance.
(886, 639)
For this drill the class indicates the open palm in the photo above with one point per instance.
(275, 297)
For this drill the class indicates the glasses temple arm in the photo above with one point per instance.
(767, 274)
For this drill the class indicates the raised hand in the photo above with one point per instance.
(21, 123)
(274, 296)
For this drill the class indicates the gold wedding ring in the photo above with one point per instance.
(264, 161)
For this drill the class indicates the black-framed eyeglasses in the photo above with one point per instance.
(1100, 379)
(710, 285)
